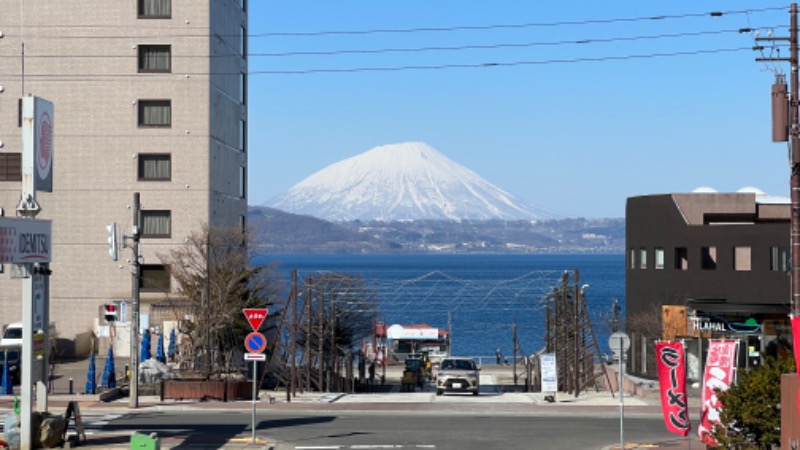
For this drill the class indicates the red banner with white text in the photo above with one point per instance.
(671, 362)
(719, 375)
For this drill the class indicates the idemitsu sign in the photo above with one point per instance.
(24, 241)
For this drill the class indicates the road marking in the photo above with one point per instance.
(364, 446)
(318, 447)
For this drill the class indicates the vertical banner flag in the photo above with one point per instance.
(796, 340)
(719, 373)
(672, 381)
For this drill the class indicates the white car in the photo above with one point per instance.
(12, 335)
(10, 345)
(458, 375)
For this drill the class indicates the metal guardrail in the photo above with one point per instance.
(492, 360)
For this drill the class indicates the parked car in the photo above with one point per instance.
(12, 335)
(458, 375)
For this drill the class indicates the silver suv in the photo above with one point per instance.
(458, 375)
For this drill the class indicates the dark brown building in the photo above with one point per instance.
(720, 259)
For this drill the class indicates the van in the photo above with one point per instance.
(12, 335)
(11, 348)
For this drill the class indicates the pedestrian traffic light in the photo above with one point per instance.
(110, 312)
(112, 241)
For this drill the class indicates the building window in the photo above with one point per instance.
(155, 58)
(155, 9)
(154, 278)
(681, 258)
(243, 42)
(243, 88)
(155, 166)
(659, 258)
(779, 259)
(10, 166)
(242, 182)
(156, 224)
(632, 259)
(155, 113)
(742, 259)
(643, 258)
(708, 258)
(242, 135)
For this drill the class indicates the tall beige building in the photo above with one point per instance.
(149, 97)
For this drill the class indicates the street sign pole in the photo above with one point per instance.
(255, 343)
(37, 174)
(620, 343)
(621, 395)
(253, 416)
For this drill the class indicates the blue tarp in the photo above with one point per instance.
(7, 387)
(109, 379)
(146, 354)
(91, 377)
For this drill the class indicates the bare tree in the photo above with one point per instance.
(216, 280)
(338, 312)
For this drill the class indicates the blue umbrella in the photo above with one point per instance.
(146, 346)
(91, 377)
(160, 356)
(172, 343)
(7, 388)
(109, 379)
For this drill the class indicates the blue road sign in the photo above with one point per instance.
(255, 342)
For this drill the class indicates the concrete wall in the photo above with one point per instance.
(95, 88)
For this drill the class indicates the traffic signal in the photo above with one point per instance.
(112, 241)
(110, 312)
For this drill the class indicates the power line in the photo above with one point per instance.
(513, 45)
(520, 25)
(378, 31)
(504, 64)
(583, 41)
(51, 77)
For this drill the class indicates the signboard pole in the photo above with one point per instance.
(253, 416)
(37, 174)
(133, 400)
(621, 394)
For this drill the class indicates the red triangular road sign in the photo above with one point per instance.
(255, 316)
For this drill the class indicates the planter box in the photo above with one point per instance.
(193, 389)
(239, 390)
(222, 390)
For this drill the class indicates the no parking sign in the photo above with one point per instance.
(255, 342)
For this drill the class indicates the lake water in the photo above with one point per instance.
(479, 297)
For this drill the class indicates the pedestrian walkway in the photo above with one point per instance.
(498, 395)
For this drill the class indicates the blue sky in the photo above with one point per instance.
(574, 128)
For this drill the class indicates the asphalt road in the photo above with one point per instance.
(391, 429)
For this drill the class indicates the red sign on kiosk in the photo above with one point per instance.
(255, 316)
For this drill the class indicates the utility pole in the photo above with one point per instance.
(293, 345)
(794, 147)
(515, 353)
(133, 401)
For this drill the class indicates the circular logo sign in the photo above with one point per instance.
(255, 342)
(44, 158)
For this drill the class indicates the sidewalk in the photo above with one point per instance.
(498, 394)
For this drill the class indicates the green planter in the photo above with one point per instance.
(141, 441)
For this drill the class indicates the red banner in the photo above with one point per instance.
(672, 380)
(720, 369)
(796, 340)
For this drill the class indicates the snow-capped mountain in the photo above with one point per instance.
(408, 181)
